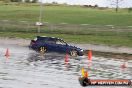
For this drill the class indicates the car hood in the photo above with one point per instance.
(74, 47)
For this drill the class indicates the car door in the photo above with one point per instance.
(61, 46)
(50, 44)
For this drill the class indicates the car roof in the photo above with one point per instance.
(45, 37)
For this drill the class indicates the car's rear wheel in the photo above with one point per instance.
(42, 50)
(73, 53)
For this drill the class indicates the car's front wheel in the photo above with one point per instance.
(73, 53)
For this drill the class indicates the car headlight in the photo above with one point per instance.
(81, 50)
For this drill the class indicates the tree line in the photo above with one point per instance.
(28, 1)
(115, 3)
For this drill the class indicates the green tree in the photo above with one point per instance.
(130, 9)
(27, 1)
(34, 1)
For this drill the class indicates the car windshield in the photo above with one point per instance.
(61, 42)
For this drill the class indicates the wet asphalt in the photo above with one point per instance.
(26, 68)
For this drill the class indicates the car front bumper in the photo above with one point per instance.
(81, 53)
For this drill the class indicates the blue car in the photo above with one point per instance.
(52, 44)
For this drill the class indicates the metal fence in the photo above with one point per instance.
(65, 28)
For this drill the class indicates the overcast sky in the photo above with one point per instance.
(102, 3)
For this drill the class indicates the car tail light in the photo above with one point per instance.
(33, 42)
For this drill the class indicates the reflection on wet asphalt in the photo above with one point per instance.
(28, 69)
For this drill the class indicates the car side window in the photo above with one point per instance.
(52, 42)
(48, 41)
(60, 42)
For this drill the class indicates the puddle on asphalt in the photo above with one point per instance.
(27, 69)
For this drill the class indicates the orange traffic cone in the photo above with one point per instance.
(66, 58)
(7, 54)
(90, 55)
